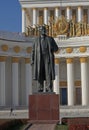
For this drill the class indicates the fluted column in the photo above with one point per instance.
(28, 77)
(70, 82)
(68, 13)
(2, 81)
(46, 16)
(88, 15)
(23, 20)
(56, 12)
(56, 81)
(34, 16)
(15, 82)
(84, 81)
(79, 14)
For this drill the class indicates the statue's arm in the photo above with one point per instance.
(54, 46)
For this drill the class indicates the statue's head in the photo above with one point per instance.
(43, 30)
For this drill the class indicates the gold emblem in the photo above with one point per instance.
(61, 26)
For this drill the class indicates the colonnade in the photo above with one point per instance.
(71, 82)
(14, 80)
(56, 87)
(46, 14)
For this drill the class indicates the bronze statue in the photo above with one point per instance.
(42, 60)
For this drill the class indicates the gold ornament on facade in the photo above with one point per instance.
(4, 47)
(27, 60)
(56, 60)
(63, 83)
(83, 59)
(15, 59)
(17, 49)
(29, 49)
(61, 26)
(82, 49)
(2, 58)
(69, 50)
(69, 60)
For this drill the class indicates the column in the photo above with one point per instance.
(84, 81)
(34, 16)
(56, 81)
(46, 16)
(28, 77)
(2, 80)
(15, 82)
(56, 13)
(88, 15)
(23, 20)
(70, 82)
(68, 13)
(79, 14)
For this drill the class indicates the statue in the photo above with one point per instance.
(42, 59)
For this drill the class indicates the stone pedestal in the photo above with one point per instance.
(44, 107)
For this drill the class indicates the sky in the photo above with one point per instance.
(10, 15)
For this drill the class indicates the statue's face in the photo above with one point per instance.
(43, 30)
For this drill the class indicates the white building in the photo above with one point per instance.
(71, 63)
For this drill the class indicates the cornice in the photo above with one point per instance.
(52, 3)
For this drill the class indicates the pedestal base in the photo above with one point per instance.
(44, 107)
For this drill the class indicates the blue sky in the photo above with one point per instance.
(10, 15)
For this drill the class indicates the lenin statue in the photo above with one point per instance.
(42, 59)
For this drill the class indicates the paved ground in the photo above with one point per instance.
(42, 127)
(65, 111)
(16, 114)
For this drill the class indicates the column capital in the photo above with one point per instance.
(27, 60)
(79, 7)
(34, 8)
(24, 9)
(57, 7)
(15, 59)
(2, 58)
(69, 60)
(83, 59)
(56, 60)
(68, 7)
(45, 8)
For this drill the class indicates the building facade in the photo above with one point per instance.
(68, 22)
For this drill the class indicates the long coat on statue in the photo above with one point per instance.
(36, 57)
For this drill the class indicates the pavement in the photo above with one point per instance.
(65, 111)
(16, 114)
(42, 127)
